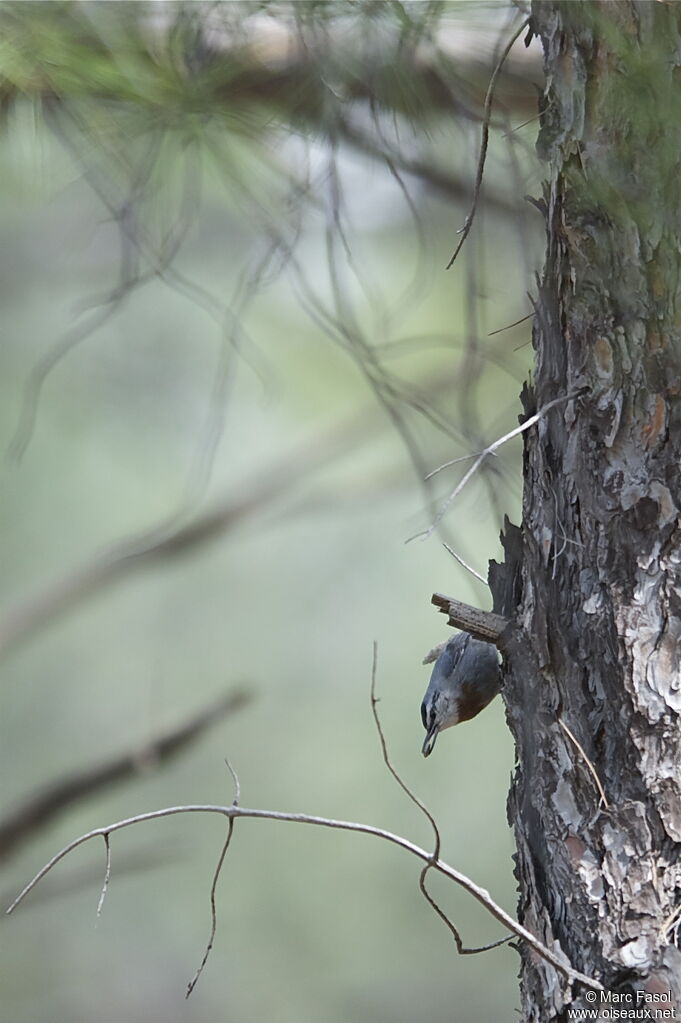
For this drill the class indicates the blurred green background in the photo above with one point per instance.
(155, 411)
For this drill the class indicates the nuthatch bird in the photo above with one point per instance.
(465, 678)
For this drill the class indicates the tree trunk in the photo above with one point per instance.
(594, 577)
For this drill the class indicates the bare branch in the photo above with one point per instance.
(386, 760)
(480, 624)
(107, 876)
(531, 421)
(39, 809)
(464, 564)
(237, 784)
(485, 140)
(131, 863)
(559, 962)
(216, 876)
(460, 947)
(451, 462)
(213, 911)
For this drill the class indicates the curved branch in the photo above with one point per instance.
(480, 458)
(480, 894)
(484, 140)
(214, 885)
(435, 855)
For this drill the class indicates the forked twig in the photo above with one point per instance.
(216, 876)
(386, 760)
(453, 461)
(559, 962)
(425, 533)
(460, 947)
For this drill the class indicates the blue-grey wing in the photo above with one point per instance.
(451, 656)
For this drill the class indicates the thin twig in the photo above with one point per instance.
(587, 761)
(73, 881)
(237, 784)
(480, 894)
(424, 534)
(213, 910)
(523, 124)
(485, 139)
(453, 461)
(107, 876)
(464, 564)
(386, 760)
(460, 947)
(535, 117)
(508, 326)
(491, 450)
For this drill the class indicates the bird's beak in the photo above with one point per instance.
(429, 741)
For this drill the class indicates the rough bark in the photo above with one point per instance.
(594, 578)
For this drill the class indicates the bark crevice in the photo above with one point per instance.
(592, 577)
